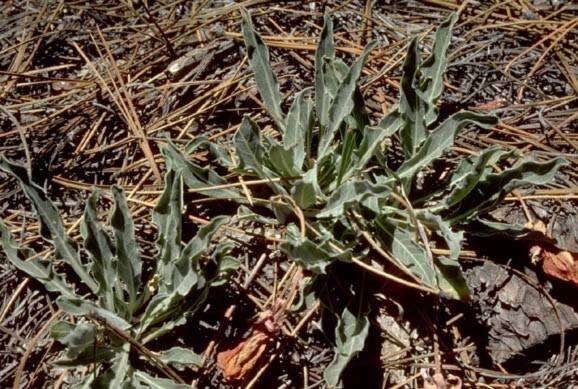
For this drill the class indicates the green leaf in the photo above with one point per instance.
(182, 356)
(373, 139)
(33, 267)
(433, 67)
(325, 49)
(442, 228)
(297, 137)
(351, 192)
(402, 243)
(450, 279)
(282, 161)
(247, 141)
(80, 307)
(449, 275)
(266, 82)
(347, 148)
(487, 228)
(495, 186)
(200, 243)
(469, 173)
(441, 139)
(129, 263)
(51, 226)
(244, 213)
(343, 103)
(88, 357)
(350, 335)
(120, 369)
(306, 190)
(314, 257)
(411, 106)
(98, 245)
(167, 216)
(149, 381)
(391, 122)
(195, 176)
(76, 337)
(185, 276)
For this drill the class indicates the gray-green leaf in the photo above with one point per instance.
(441, 139)
(350, 335)
(266, 82)
(51, 226)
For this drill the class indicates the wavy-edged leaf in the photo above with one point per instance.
(76, 337)
(350, 335)
(433, 67)
(325, 49)
(80, 307)
(494, 186)
(145, 380)
(51, 226)
(266, 82)
(98, 245)
(351, 192)
(449, 275)
(450, 279)
(305, 191)
(443, 229)
(129, 264)
(185, 277)
(244, 213)
(488, 228)
(404, 246)
(282, 161)
(167, 216)
(181, 356)
(82, 346)
(248, 146)
(297, 136)
(411, 106)
(441, 139)
(195, 176)
(120, 369)
(469, 172)
(347, 147)
(313, 256)
(373, 138)
(343, 103)
(33, 267)
(200, 243)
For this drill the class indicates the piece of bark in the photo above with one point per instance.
(516, 314)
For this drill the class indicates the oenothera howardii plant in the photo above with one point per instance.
(341, 160)
(125, 311)
(330, 165)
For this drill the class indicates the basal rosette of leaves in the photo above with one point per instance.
(118, 310)
(329, 167)
(330, 164)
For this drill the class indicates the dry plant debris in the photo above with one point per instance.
(321, 133)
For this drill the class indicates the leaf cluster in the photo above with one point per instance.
(121, 309)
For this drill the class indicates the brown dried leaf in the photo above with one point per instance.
(556, 263)
(560, 264)
(239, 361)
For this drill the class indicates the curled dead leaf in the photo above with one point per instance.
(238, 362)
(559, 264)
